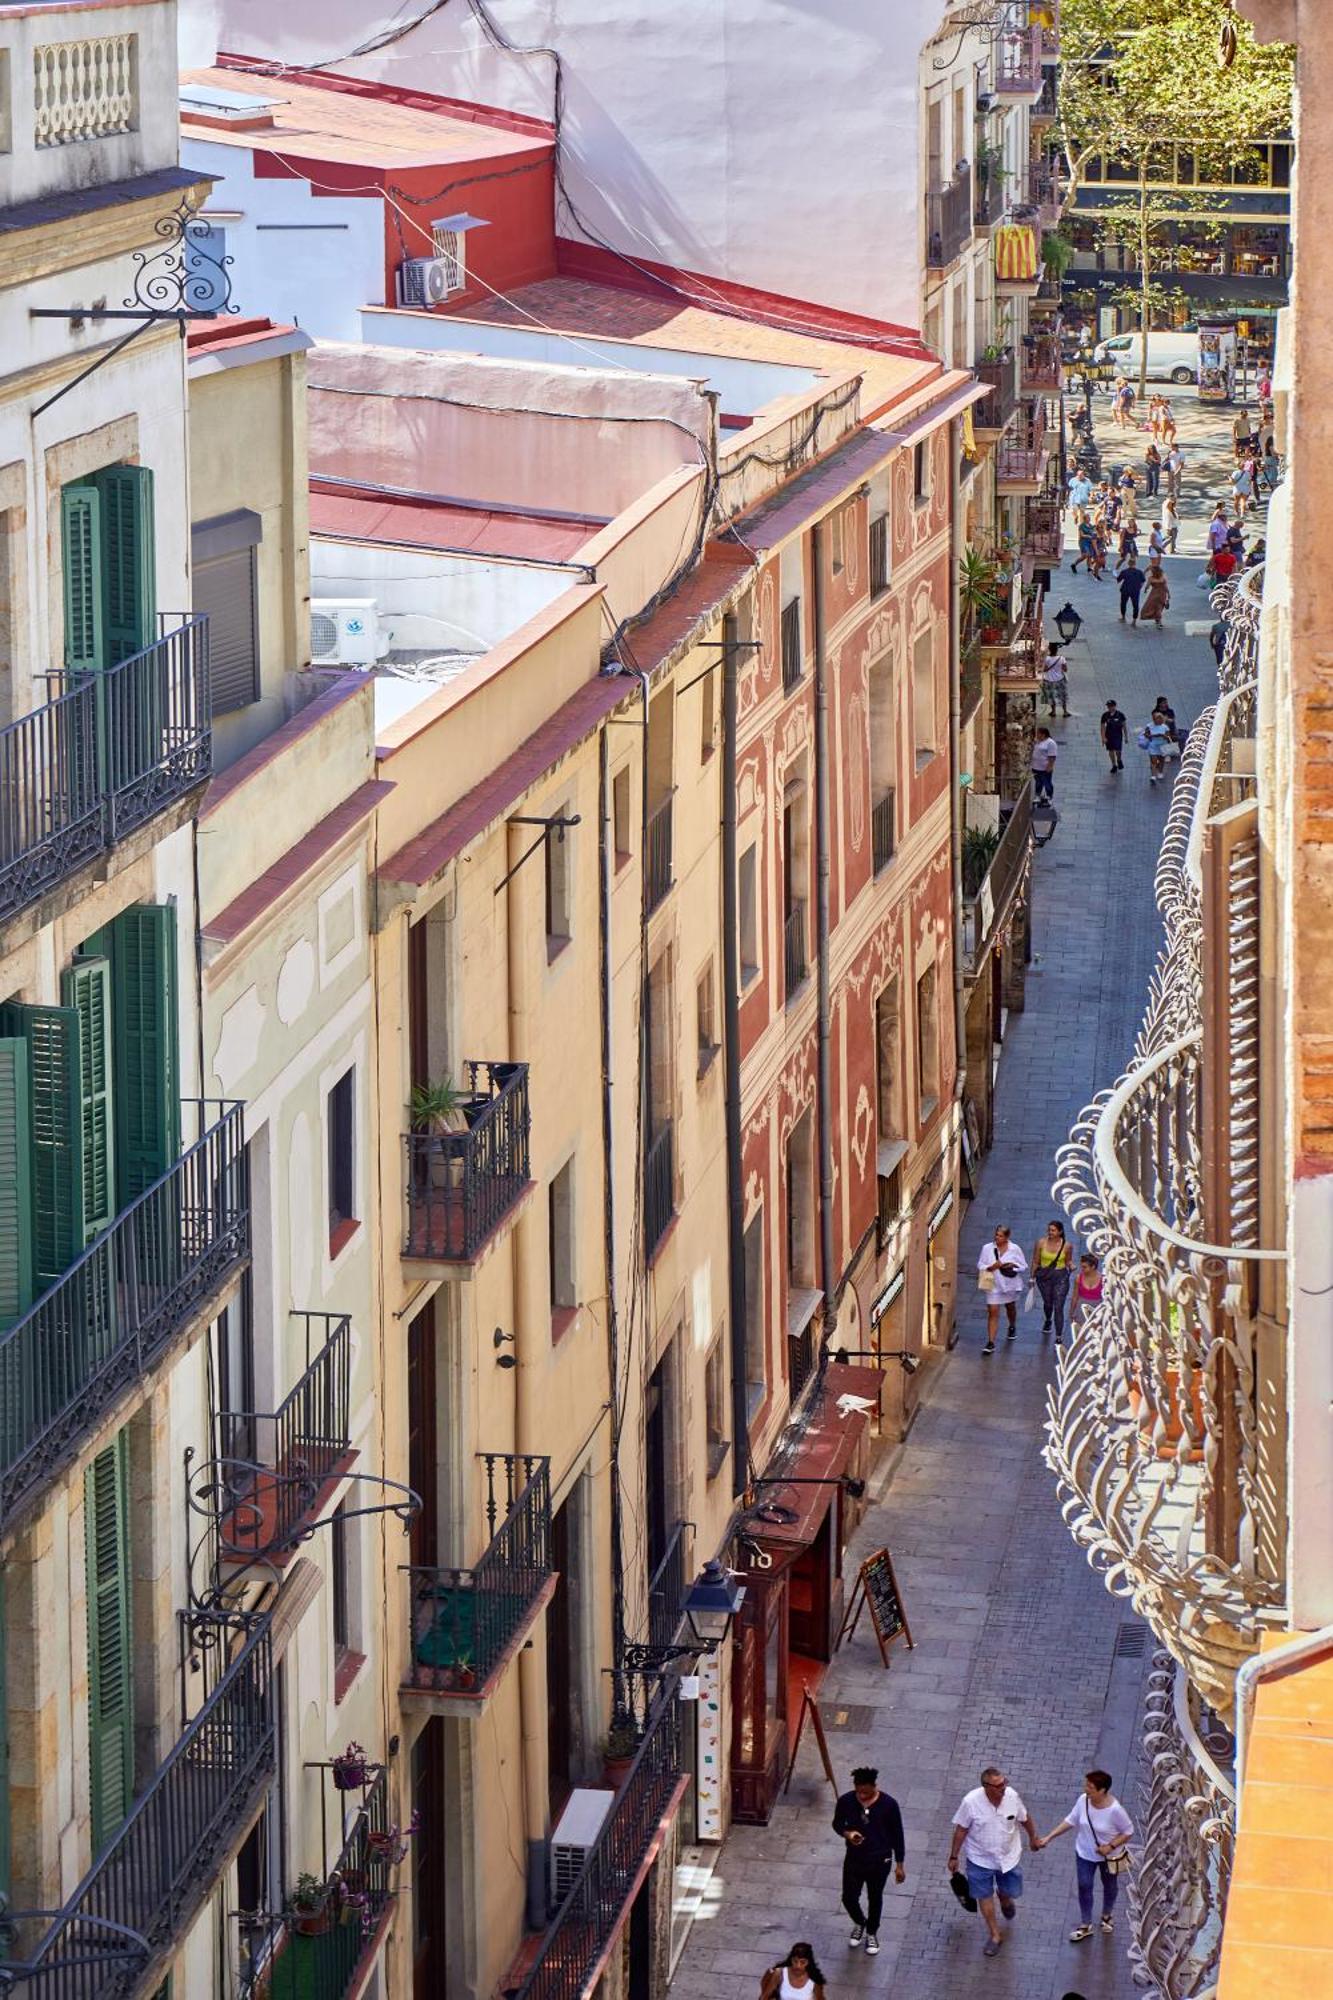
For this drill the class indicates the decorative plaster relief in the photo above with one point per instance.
(753, 1201)
(340, 926)
(749, 791)
(863, 1125)
(795, 736)
(858, 732)
(296, 982)
(238, 1040)
(300, 1181)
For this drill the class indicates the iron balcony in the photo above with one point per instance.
(462, 1185)
(274, 1471)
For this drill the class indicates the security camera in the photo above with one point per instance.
(911, 1363)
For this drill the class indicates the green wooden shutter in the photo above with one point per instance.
(15, 1185)
(144, 1044)
(56, 1133)
(5, 1863)
(81, 556)
(86, 987)
(110, 1675)
(129, 585)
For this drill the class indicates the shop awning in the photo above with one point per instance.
(795, 1513)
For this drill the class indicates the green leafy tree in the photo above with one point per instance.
(1136, 77)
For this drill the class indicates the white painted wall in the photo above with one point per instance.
(442, 602)
(706, 174)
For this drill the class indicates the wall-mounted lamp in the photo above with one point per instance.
(1067, 623)
(910, 1362)
(710, 1604)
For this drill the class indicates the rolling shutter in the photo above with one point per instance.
(56, 1133)
(110, 1682)
(224, 588)
(129, 586)
(15, 1186)
(144, 1046)
(81, 557)
(86, 987)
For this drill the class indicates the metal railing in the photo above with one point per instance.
(118, 1307)
(879, 555)
(145, 1889)
(657, 874)
(591, 1913)
(266, 1495)
(1043, 528)
(948, 220)
(1039, 366)
(462, 1621)
(984, 912)
(1018, 63)
(795, 968)
(1046, 108)
(326, 1964)
(883, 829)
(989, 200)
(800, 1359)
(970, 684)
(792, 662)
(666, 1590)
(112, 749)
(1023, 662)
(461, 1185)
(1021, 460)
(659, 1185)
(992, 411)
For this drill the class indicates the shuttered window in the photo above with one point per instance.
(81, 557)
(107, 553)
(85, 986)
(5, 1863)
(225, 587)
(16, 1290)
(145, 1055)
(110, 1674)
(55, 1131)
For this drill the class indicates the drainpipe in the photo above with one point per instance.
(731, 1065)
(825, 1071)
(955, 770)
(1266, 1667)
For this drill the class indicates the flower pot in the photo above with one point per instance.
(313, 1923)
(615, 1770)
(349, 1774)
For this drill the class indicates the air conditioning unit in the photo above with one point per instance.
(344, 632)
(426, 281)
(580, 1824)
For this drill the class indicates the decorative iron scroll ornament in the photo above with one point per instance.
(186, 278)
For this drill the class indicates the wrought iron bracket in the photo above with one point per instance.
(555, 824)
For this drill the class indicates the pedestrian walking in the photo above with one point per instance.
(1113, 726)
(1156, 593)
(1102, 1829)
(1168, 426)
(1001, 1269)
(1168, 715)
(1217, 639)
(1080, 490)
(1131, 587)
(1222, 564)
(1055, 680)
(871, 1825)
(1091, 551)
(1087, 1291)
(1152, 471)
(1156, 542)
(1242, 485)
(1170, 523)
(1242, 430)
(1219, 527)
(988, 1830)
(1045, 750)
(1128, 547)
(1270, 467)
(1174, 466)
(1155, 737)
(1052, 1266)
(795, 1977)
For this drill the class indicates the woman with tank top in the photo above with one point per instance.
(796, 1978)
(1051, 1261)
(1087, 1289)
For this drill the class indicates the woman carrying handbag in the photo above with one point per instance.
(1101, 1828)
(1001, 1276)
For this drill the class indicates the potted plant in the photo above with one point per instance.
(622, 1741)
(350, 1770)
(462, 1674)
(436, 1109)
(311, 1904)
(979, 845)
(980, 597)
(1057, 253)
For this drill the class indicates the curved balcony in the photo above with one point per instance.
(1187, 1831)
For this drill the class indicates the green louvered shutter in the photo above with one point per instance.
(86, 987)
(15, 1187)
(6, 1898)
(129, 583)
(81, 555)
(56, 1131)
(110, 1680)
(144, 1044)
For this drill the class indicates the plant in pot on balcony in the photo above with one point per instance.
(311, 1904)
(622, 1741)
(350, 1770)
(979, 845)
(437, 1109)
(1057, 254)
(980, 594)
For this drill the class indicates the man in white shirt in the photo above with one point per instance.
(1045, 749)
(988, 1832)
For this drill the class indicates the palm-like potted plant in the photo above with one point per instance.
(980, 592)
(1057, 254)
(436, 1109)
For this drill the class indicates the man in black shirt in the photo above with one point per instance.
(1113, 733)
(872, 1827)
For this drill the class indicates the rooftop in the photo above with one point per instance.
(344, 511)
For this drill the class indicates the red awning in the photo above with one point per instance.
(835, 1425)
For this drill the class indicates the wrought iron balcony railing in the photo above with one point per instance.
(883, 829)
(82, 771)
(666, 1589)
(1018, 64)
(591, 1914)
(142, 1893)
(948, 220)
(118, 1308)
(466, 1622)
(1044, 528)
(1022, 663)
(793, 661)
(800, 1360)
(1039, 366)
(1186, 1839)
(272, 1468)
(327, 1959)
(657, 873)
(461, 1185)
(659, 1185)
(796, 969)
(992, 411)
(988, 908)
(1046, 106)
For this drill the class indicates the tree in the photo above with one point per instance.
(1136, 78)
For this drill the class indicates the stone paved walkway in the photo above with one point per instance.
(1022, 1657)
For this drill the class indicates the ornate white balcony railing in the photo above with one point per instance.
(1187, 1828)
(86, 89)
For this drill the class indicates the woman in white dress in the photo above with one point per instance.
(1001, 1275)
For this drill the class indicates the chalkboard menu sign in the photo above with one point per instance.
(877, 1586)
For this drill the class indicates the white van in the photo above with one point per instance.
(1172, 357)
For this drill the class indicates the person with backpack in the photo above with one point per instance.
(1102, 1830)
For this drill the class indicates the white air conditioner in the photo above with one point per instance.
(344, 632)
(580, 1824)
(426, 281)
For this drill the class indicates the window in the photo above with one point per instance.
(747, 905)
(800, 1203)
(106, 1527)
(338, 1581)
(921, 471)
(924, 718)
(224, 586)
(340, 1128)
(345, 1595)
(620, 796)
(888, 1095)
(715, 1405)
(705, 1016)
(791, 644)
(756, 1357)
(883, 703)
(795, 887)
(837, 541)
(927, 1042)
(879, 555)
(707, 715)
(558, 858)
(449, 245)
(107, 547)
(560, 1241)
(205, 267)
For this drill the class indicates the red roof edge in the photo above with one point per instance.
(221, 332)
(720, 295)
(518, 122)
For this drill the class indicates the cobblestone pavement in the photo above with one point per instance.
(1021, 1657)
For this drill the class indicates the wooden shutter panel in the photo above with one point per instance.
(129, 577)
(224, 588)
(110, 1676)
(15, 1187)
(86, 987)
(145, 1054)
(56, 1132)
(81, 558)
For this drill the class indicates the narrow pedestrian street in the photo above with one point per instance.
(1022, 1658)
